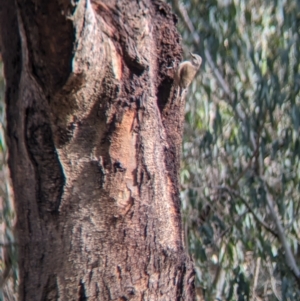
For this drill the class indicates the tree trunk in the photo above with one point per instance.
(94, 133)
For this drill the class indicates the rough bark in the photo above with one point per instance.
(94, 133)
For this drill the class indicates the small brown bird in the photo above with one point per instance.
(186, 72)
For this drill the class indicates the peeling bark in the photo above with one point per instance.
(94, 133)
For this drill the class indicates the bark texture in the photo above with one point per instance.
(94, 133)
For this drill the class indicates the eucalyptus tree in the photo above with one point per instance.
(94, 134)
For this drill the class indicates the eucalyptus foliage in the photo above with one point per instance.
(240, 165)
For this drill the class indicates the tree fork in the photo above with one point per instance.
(94, 135)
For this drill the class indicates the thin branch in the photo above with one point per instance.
(231, 226)
(180, 7)
(289, 257)
(272, 279)
(256, 274)
(255, 153)
(220, 284)
(257, 218)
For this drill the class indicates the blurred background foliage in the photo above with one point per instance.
(240, 165)
(8, 254)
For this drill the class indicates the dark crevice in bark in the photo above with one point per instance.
(11, 55)
(48, 170)
(82, 295)
(28, 220)
(98, 169)
(23, 291)
(136, 65)
(181, 284)
(50, 291)
(97, 290)
(164, 93)
(50, 53)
